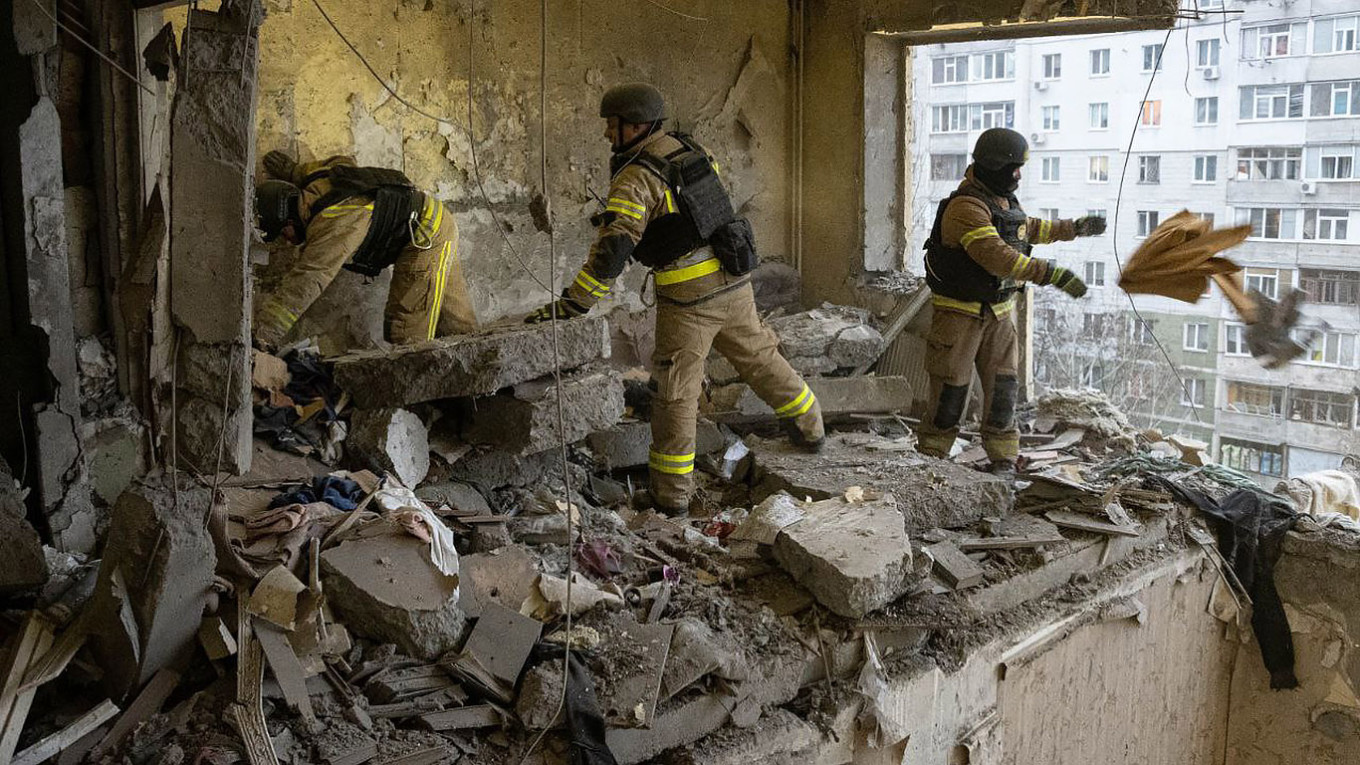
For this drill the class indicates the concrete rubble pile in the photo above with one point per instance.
(413, 607)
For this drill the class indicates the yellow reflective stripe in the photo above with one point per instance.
(941, 301)
(1045, 231)
(1001, 309)
(674, 459)
(625, 207)
(672, 470)
(627, 203)
(440, 279)
(623, 211)
(978, 233)
(591, 283)
(1021, 263)
(717, 169)
(798, 405)
(334, 210)
(437, 212)
(672, 464)
(592, 291)
(670, 201)
(702, 268)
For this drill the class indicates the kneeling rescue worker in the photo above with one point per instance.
(977, 258)
(363, 219)
(668, 210)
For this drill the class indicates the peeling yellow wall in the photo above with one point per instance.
(726, 79)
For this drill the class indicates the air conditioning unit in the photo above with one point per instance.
(1308, 187)
(1211, 73)
(1037, 138)
(1041, 85)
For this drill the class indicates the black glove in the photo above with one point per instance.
(566, 309)
(280, 165)
(1068, 282)
(1091, 225)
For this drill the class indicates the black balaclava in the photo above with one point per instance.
(1000, 182)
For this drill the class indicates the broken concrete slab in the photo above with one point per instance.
(463, 498)
(471, 365)
(839, 334)
(495, 469)
(853, 556)
(627, 444)
(23, 564)
(524, 420)
(930, 493)
(956, 569)
(737, 403)
(162, 555)
(386, 588)
(496, 651)
(391, 440)
(630, 684)
(697, 651)
(505, 576)
(539, 695)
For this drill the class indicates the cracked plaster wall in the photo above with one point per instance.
(726, 80)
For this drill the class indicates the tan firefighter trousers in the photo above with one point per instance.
(684, 336)
(428, 297)
(956, 344)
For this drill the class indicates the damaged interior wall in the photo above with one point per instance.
(316, 99)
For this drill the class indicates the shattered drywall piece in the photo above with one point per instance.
(854, 557)
(470, 365)
(525, 420)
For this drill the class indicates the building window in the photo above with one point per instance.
(1335, 349)
(1206, 168)
(1269, 222)
(1052, 66)
(1263, 280)
(1048, 213)
(1273, 41)
(1093, 324)
(1336, 35)
(960, 118)
(1206, 52)
(1099, 171)
(1051, 118)
(1147, 221)
(997, 65)
(1152, 114)
(1248, 398)
(985, 116)
(1331, 225)
(1142, 331)
(1150, 169)
(1196, 337)
(1051, 170)
(1100, 116)
(1335, 99)
(1268, 163)
(947, 70)
(1095, 273)
(1329, 287)
(1192, 393)
(1207, 217)
(1337, 164)
(1092, 375)
(1100, 62)
(1322, 407)
(1251, 457)
(1235, 340)
(1206, 111)
(1271, 102)
(1152, 57)
(1097, 212)
(948, 167)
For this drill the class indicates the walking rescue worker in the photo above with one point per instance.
(977, 259)
(363, 219)
(668, 210)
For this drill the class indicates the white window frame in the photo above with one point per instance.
(1097, 212)
(1099, 57)
(1269, 95)
(1194, 393)
(1261, 41)
(1048, 213)
(1051, 170)
(1144, 331)
(1326, 227)
(1207, 52)
(1347, 89)
(1264, 280)
(959, 162)
(1341, 33)
(1331, 286)
(1194, 335)
(1150, 169)
(1332, 349)
(1052, 118)
(1095, 273)
(1152, 57)
(1206, 168)
(1098, 168)
(1099, 109)
(1052, 63)
(955, 118)
(1269, 163)
(950, 69)
(981, 62)
(1340, 157)
(1150, 113)
(1235, 340)
(1148, 221)
(1284, 220)
(1210, 111)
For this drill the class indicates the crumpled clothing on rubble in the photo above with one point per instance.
(283, 519)
(402, 506)
(312, 391)
(340, 493)
(1323, 492)
(1251, 528)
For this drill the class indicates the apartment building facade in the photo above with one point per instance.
(1253, 117)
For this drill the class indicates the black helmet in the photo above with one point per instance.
(276, 203)
(636, 102)
(997, 148)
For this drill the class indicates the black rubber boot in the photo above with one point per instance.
(801, 441)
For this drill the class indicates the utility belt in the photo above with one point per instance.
(402, 215)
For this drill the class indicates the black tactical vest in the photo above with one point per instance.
(395, 201)
(951, 272)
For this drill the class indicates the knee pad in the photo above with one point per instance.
(1005, 390)
(953, 398)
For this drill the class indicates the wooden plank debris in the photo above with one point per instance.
(52, 663)
(403, 685)
(1069, 520)
(248, 711)
(146, 704)
(1007, 543)
(956, 569)
(27, 646)
(54, 744)
(287, 669)
(461, 718)
(358, 754)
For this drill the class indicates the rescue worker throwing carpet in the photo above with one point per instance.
(668, 210)
(363, 219)
(977, 259)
